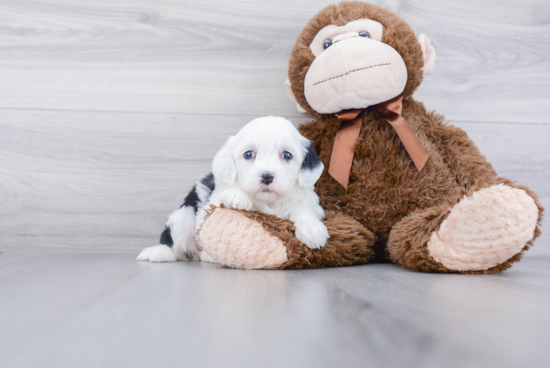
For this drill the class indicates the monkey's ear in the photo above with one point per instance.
(291, 96)
(428, 52)
(223, 166)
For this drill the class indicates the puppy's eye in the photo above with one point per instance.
(286, 156)
(364, 34)
(327, 43)
(249, 155)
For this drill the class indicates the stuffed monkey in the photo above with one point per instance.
(400, 184)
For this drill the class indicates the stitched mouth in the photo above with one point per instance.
(352, 71)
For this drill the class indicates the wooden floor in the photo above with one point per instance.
(111, 109)
(90, 310)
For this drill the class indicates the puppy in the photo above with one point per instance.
(267, 167)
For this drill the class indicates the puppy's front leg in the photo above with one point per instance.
(237, 199)
(309, 229)
(262, 207)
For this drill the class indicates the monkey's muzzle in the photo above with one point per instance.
(354, 74)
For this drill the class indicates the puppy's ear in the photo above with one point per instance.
(223, 166)
(312, 167)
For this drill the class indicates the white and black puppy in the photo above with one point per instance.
(268, 166)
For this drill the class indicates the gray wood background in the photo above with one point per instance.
(111, 109)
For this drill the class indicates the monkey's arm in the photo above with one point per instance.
(254, 240)
(470, 168)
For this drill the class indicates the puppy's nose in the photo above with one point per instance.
(267, 178)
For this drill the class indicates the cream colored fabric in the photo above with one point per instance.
(354, 73)
(485, 229)
(290, 95)
(332, 31)
(344, 36)
(240, 242)
(428, 52)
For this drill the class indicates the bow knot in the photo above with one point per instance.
(348, 133)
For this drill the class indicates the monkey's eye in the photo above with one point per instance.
(249, 155)
(327, 43)
(286, 156)
(364, 34)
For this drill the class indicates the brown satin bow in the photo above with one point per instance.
(348, 133)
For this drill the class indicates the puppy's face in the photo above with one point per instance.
(268, 159)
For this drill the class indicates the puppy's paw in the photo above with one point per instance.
(313, 234)
(206, 257)
(236, 199)
(158, 253)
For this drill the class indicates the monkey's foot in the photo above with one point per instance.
(485, 229)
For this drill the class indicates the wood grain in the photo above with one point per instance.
(110, 110)
(228, 57)
(70, 310)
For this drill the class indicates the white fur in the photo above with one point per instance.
(182, 227)
(238, 185)
(290, 196)
(203, 192)
(205, 257)
(157, 253)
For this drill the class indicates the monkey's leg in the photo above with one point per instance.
(484, 232)
(241, 239)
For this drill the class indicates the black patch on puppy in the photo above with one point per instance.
(311, 161)
(166, 237)
(208, 181)
(192, 199)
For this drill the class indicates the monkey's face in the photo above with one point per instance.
(353, 68)
(339, 64)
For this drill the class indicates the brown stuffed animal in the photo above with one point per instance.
(418, 193)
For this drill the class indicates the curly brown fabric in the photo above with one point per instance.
(349, 242)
